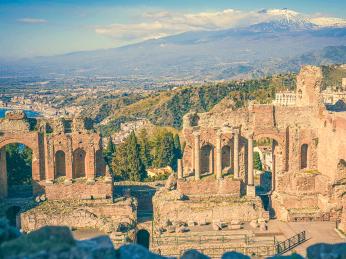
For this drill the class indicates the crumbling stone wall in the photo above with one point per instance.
(169, 206)
(45, 139)
(111, 218)
(307, 124)
(79, 191)
(224, 187)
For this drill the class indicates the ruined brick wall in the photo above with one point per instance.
(227, 187)
(331, 143)
(79, 190)
(69, 146)
(143, 192)
(309, 82)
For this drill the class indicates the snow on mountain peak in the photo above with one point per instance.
(287, 16)
(328, 22)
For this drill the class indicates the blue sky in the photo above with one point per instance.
(36, 27)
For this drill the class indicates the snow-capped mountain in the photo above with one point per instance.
(289, 20)
(277, 38)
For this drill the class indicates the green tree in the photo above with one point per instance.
(145, 148)
(109, 152)
(127, 163)
(136, 169)
(257, 161)
(177, 147)
(19, 164)
(165, 154)
(119, 164)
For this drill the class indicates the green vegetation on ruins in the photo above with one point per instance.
(167, 107)
(130, 159)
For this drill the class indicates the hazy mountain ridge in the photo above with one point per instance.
(273, 46)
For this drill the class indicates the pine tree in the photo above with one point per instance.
(165, 156)
(109, 152)
(177, 147)
(145, 148)
(127, 163)
(136, 169)
(257, 161)
(119, 165)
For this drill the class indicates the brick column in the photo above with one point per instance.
(236, 155)
(250, 191)
(90, 173)
(69, 163)
(180, 169)
(197, 155)
(218, 156)
(49, 161)
(250, 176)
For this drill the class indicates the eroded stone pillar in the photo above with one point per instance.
(69, 163)
(250, 175)
(197, 155)
(218, 156)
(236, 155)
(91, 162)
(180, 169)
(250, 180)
(49, 161)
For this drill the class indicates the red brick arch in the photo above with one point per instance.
(32, 141)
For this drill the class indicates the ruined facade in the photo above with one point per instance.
(70, 183)
(308, 151)
(62, 148)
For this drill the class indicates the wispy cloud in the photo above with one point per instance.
(163, 23)
(28, 20)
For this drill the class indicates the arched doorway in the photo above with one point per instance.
(143, 238)
(304, 156)
(17, 171)
(60, 164)
(207, 159)
(12, 214)
(79, 163)
(268, 158)
(226, 156)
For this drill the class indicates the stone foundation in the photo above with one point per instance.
(79, 190)
(172, 206)
(225, 187)
(111, 218)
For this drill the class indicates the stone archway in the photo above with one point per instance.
(79, 159)
(17, 177)
(225, 157)
(304, 149)
(271, 151)
(143, 238)
(207, 159)
(60, 164)
(33, 141)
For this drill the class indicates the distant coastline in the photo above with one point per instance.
(29, 113)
